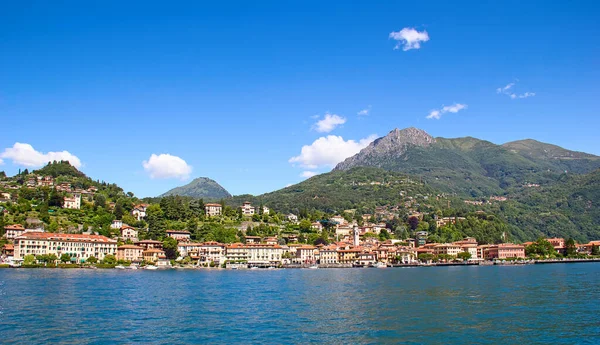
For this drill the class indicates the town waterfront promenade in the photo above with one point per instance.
(485, 305)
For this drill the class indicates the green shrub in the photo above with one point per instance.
(67, 266)
(106, 265)
(4, 266)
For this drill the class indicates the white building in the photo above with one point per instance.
(247, 209)
(266, 210)
(73, 202)
(79, 247)
(116, 224)
(292, 217)
(212, 210)
(139, 211)
(129, 233)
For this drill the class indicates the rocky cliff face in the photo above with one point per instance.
(393, 145)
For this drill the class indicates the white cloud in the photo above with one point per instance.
(409, 38)
(1, 162)
(288, 185)
(507, 91)
(329, 123)
(165, 165)
(308, 174)
(329, 150)
(437, 114)
(524, 95)
(364, 112)
(26, 155)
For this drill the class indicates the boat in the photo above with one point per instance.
(132, 267)
(120, 267)
(381, 265)
(314, 267)
(150, 267)
(253, 268)
(270, 268)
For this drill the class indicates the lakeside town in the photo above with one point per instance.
(353, 247)
(72, 221)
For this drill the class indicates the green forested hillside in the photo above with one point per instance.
(360, 188)
(202, 188)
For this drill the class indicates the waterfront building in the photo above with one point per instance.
(13, 231)
(306, 254)
(505, 251)
(131, 253)
(153, 255)
(328, 255)
(211, 252)
(447, 248)
(79, 247)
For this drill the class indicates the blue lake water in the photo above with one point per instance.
(536, 304)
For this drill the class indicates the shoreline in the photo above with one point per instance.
(329, 266)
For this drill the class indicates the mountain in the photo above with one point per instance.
(469, 166)
(201, 187)
(556, 156)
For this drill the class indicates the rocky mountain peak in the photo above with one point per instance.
(396, 143)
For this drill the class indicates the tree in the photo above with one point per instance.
(109, 259)
(65, 258)
(56, 200)
(464, 256)
(170, 248)
(384, 235)
(156, 222)
(595, 250)
(92, 260)
(571, 249)
(29, 259)
(52, 258)
(425, 257)
(99, 201)
(413, 222)
(305, 225)
(119, 211)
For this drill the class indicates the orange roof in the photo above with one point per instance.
(14, 227)
(9, 246)
(129, 246)
(152, 250)
(213, 205)
(65, 237)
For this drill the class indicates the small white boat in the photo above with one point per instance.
(120, 267)
(253, 268)
(151, 267)
(381, 265)
(132, 267)
(314, 267)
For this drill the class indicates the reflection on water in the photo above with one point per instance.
(484, 305)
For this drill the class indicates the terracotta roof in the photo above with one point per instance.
(152, 250)
(65, 237)
(14, 227)
(149, 242)
(213, 205)
(129, 246)
(9, 246)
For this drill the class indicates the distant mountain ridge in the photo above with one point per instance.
(470, 166)
(201, 188)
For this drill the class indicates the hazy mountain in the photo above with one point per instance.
(201, 187)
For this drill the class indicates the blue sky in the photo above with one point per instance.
(233, 91)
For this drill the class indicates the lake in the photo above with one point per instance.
(534, 304)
